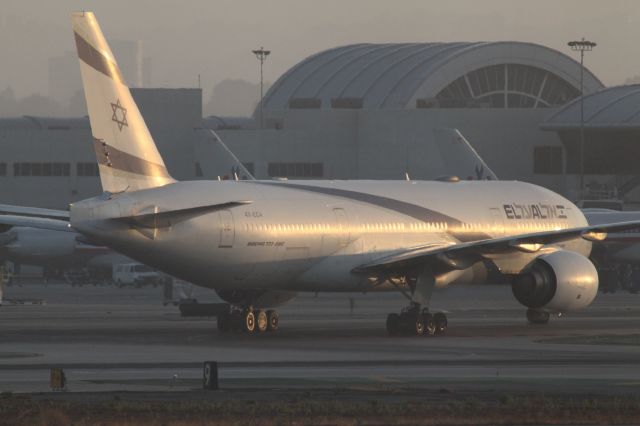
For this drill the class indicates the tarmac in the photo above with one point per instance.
(108, 339)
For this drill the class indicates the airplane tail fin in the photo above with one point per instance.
(460, 158)
(128, 158)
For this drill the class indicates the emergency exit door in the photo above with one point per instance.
(227, 229)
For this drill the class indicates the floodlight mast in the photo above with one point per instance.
(261, 54)
(581, 46)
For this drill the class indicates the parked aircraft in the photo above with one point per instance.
(259, 242)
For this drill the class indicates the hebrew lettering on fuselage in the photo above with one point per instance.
(534, 211)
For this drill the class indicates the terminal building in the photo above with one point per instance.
(367, 111)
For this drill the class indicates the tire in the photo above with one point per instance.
(273, 320)
(429, 324)
(393, 324)
(249, 322)
(262, 322)
(441, 323)
(418, 324)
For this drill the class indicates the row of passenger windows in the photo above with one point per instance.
(403, 227)
(50, 169)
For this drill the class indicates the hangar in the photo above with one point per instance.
(367, 111)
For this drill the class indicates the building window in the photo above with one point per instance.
(505, 86)
(297, 170)
(39, 169)
(547, 160)
(87, 169)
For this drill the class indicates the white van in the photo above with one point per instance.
(135, 274)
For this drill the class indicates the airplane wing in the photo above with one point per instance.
(463, 255)
(7, 209)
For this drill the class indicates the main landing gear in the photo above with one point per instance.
(415, 321)
(248, 320)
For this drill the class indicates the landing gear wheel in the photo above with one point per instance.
(249, 323)
(418, 325)
(262, 321)
(441, 323)
(393, 324)
(537, 316)
(429, 324)
(273, 319)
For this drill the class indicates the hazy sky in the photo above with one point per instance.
(214, 38)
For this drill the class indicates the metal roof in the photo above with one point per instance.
(612, 108)
(393, 76)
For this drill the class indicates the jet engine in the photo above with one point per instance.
(255, 298)
(558, 282)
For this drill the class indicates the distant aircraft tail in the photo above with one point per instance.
(460, 158)
(127, 156)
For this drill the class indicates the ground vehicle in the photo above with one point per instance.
(135, 274)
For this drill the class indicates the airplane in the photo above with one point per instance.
(258, 243)
(615, 258)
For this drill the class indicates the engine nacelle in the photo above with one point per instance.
(559, 281)
(255, 298)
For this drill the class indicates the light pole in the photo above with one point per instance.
(581, 46)
(261, 54)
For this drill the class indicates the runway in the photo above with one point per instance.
(110, 339)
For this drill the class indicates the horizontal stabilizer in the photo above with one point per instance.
(36, 222)
(153, 218)
(34, 212)
(463, 255)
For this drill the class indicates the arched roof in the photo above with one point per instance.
(395, 76)
(612, 108)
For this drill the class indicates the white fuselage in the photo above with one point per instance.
(310, 235)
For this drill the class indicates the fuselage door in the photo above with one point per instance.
(497, 223)
(227, 229)
(342, 223)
